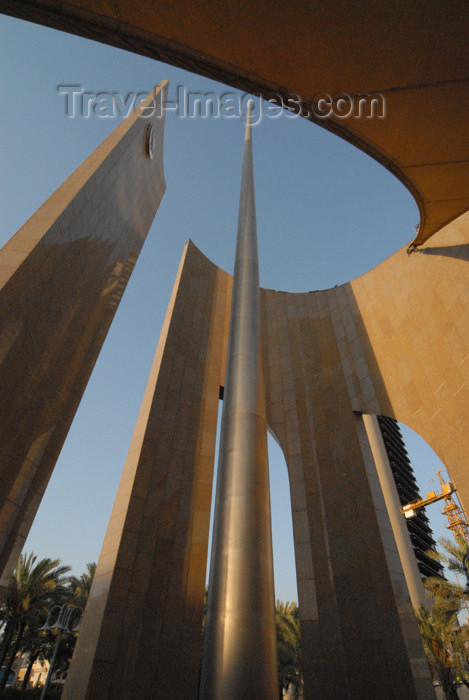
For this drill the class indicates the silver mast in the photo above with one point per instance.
(240, 657)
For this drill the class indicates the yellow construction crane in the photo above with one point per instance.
(457, 520)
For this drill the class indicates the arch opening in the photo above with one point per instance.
(425, 496)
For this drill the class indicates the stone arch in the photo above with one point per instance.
(409, 353)
(350, 561)
(355, 607)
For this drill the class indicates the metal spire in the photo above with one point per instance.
(240, 657)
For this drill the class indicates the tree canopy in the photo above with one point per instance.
(445, 642)
(35, 587)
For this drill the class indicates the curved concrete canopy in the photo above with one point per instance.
(413, 54)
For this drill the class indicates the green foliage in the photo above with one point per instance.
(446, 644)
(287, 617)
(447, 597)
(452, 554)
(81, 586)
(34, 588)
(439, 632)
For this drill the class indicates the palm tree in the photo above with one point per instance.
(33, 588)
(81, 586)
(438, 632)
(287, 617)
(452, 554)
(448, 596)
(79, 589)
(36, 645)
(445, 643)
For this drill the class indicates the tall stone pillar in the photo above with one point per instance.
(240, 658)
(141, 635)
(62, 276)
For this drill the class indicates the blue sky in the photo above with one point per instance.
(326, 214)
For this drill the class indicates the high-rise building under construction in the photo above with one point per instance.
(420, 532)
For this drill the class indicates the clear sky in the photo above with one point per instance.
(326, 214)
